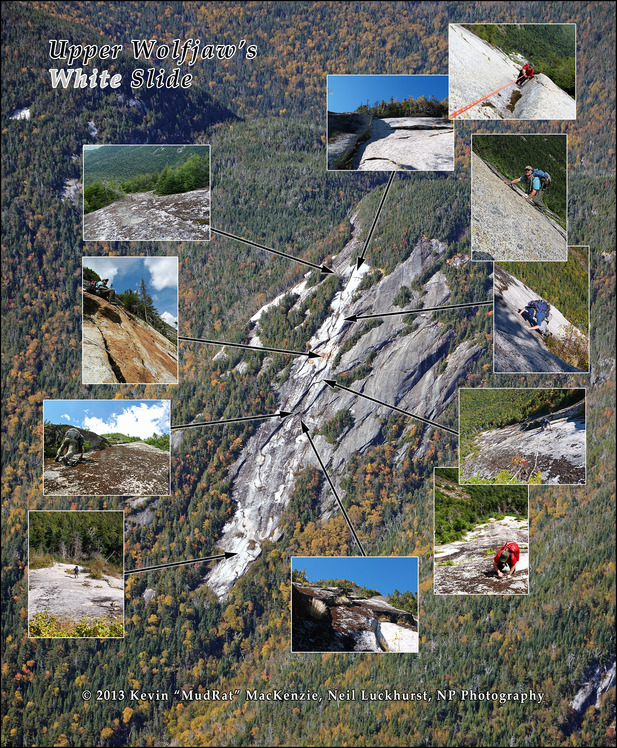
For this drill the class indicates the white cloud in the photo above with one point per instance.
(105, 267)
(142, 420)
(163, 272)
(67, 416)
(170, 319)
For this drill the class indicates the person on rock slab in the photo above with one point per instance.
(526, 73)
(535, 183)
(103, 290)
(73, 443)
(508, 555)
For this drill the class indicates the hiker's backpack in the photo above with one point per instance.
(543, 312)
(74, 434)
(543, 176)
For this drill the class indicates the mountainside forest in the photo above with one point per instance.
(265, 122)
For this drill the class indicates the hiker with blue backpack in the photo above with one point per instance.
(537, 313)
(535, 182)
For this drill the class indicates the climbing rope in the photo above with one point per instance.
(473, 103)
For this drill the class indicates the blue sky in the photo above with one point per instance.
(159, 273)
(130, 417)
(347, 92)
(385, 574)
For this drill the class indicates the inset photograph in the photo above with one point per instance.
(512, 71)
(354, 604)
(519, 196)
(76, 574)
(106, 448)
(130, 320)
(481, 537)
(146, 192)
(389, 123)
(510, 436)
(541, 321)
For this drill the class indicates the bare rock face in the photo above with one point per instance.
(542, 99)
(149, 217)
(345, 130)
(517, 348)
(407, 144)
(118, 347)
(323, 620)
(599, 683)
(477, 68)
(412, 376)
(465, 567)
(506, 228)
(559, 455)
(56, 591)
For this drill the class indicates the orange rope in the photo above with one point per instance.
(473, 103)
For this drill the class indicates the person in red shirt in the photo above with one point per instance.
(508, 554)
(526, 73)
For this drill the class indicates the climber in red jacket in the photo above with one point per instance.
(509, 555)
(526, 73)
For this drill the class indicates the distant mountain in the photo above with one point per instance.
(120, 162)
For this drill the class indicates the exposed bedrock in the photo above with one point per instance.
(558, 455)
(345, 130)
(330, 619)
(407, 370)
(119, 347)
(517, 348)
(504, 227)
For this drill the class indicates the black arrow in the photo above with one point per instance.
(309, 354)
(332, 383)
(360, 259)
(227, 554)
(355, 317)
(322, 268)
(340, 503)
(282, 414)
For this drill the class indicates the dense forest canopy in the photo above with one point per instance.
(459, 509)
(420, 107)
(266, 129)
(493, 408)
(85, 535)
(193, 174)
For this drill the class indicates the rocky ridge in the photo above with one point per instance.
(331, 619)
(408, 371)
(117, 347)
(345, 131)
